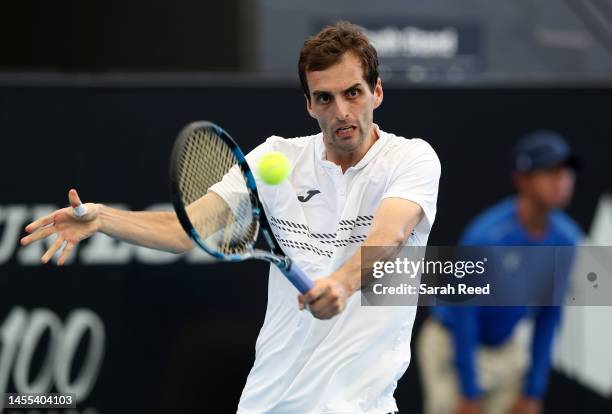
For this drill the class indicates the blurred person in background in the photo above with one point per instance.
(470, 357)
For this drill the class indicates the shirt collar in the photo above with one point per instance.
(372, 152)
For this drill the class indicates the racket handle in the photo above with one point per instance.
(297, 278)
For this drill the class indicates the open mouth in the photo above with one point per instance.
(345, 132)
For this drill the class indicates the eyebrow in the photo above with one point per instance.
(356, 85)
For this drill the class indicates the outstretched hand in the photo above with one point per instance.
(69, 226)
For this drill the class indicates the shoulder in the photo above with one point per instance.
(566, 227)
(491, 225)
(410, 153)
(291, 147)
(414, 147)
(278, 143)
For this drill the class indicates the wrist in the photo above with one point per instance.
(100, 220)
(347, 281)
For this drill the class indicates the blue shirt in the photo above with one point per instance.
(492, 326)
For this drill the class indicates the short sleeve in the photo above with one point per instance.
(232, 187)
(416, 178)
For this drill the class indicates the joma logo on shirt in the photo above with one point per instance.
(309, 194)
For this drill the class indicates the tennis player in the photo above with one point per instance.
(471, 358)
(352, 185)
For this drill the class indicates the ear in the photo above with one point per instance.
(309, 107)
(378, 93)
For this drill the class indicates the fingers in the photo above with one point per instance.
(38, 235)
(75, 202)
(46, 226)
(65, 253)
(305, 300)
(74, 199)
(52, 250)
(323, 299)
(41, 222)
(314, 293)
(326, 307)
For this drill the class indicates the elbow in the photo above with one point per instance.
(399, 236)
(185, 246)
(398, 239)
(401, 239)
(392, 237)
(178, 243)
(181, 242)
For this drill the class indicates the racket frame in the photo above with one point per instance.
(276, 255)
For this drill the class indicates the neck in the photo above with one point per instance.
(347, 159)
(533, 216)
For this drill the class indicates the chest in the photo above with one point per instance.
(324, 213)
(331, 201)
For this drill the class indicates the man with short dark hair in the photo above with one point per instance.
(470, 357)
(352, 185)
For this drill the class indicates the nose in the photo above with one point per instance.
(341, 109)
(564, 180)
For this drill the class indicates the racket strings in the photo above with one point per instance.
(225, 224)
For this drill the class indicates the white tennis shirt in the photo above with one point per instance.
(320, 216)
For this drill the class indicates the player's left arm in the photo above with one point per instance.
(392, 225)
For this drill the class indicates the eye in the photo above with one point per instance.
(323, 98)
(353, 93)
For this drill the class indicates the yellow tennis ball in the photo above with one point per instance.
(273, 168)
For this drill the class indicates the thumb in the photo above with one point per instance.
(301, 301)
(79, 210)
(74, 199)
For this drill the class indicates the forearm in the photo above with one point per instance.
(541, 349)
(387, 244)
(464, 332)
(392, 225)
(159, 230)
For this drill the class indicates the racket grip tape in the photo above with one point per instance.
(298, 278)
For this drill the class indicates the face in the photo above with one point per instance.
(551, 187)
(343, 104)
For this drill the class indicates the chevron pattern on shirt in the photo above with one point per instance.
(304, 246)
(324, 238)
(298, 228)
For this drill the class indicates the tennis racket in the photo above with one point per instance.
(224, 221)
